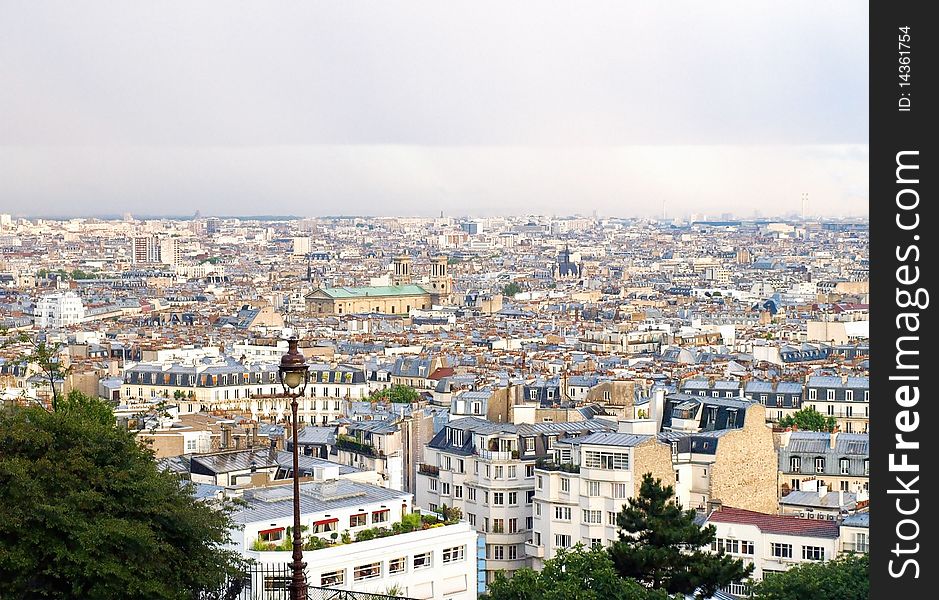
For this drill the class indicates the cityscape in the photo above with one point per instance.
(509, 380)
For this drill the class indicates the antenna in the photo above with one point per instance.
(805, 204)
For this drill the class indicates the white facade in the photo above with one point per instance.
(437, 563)
(59, 310)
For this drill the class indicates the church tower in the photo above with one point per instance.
(441, 285)
(402, 270)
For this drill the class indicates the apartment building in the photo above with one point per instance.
(59, 310)
(433, 563)
(771, 543)
(579, 493)
(487, 470)
(781, 398)
(840, 461)
(374, 445)
(847, 399)
(223, 383)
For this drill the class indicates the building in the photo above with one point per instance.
(59, 310)
(487, 470)
(781, 398)
(771, 543)
(579, 494)
(170, 251)
(400, 298)
(145, 249)
(250, 388)
(840, 461)
(847, 399)
(436, 563)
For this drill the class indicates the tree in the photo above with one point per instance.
(574, 574)
(401, 394)
(847, 578)
(511, 289)
(660, 545)
(86, 513)
(808, 419)
(44, 356)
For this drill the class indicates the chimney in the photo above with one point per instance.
(833, 439)
(657, 407)
(226, 437)
(840, 498)
(822, 490)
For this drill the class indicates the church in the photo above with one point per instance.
(400, 298)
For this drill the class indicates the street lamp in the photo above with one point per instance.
(294, 376)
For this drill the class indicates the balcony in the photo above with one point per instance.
(430, 470)
(272, 582)
(496, 455)
(533, 551)
(350, 444)
(550, 465)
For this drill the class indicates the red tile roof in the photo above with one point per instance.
(779, 524)
(441, 372)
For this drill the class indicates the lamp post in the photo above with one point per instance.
(294, 376)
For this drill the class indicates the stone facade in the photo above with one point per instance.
(745, 466)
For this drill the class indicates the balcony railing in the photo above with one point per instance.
(431, 470)
(271, 581)
(496, 455)
(550, 465)
(351, 445)
(855, 547)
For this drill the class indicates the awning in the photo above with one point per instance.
(325, 522)
(267, 531)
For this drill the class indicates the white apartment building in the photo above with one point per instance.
(223, 383)
(579, 494)
(59, 310)
(487, 470)
(434, 563)
(772, 543)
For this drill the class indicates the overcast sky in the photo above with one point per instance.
(314, 108)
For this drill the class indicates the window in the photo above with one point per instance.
(813, 394)
(849, 395)
(610, 518)
(619, 490)
(190, 444)
(781, 550)
(454, 554)
(380, 516)
(513, 552)
(844, 463)
(606, 460)
(731, 418)
(860, 542)
(513, 526)
(562, 513)
(867, 466)
(432, 507)
(369, 571)
(606, 395)
(596, 543)
(459, 466)
(747, 547)
(819, 464)
(813, 553)
(529, 444)
(537, 509)
(498, 498)
(562, 541)
(358, 520)
(529, 471)
(471, 518)
(513, 498)
(529, 522)
(512, 472)
(397, 565)
(433, 484)
(540, 482)
(498, 526)
(458, 491)
(593, 517)
(795, 464)
(499, 472)
(271, 535)
(795, 486)
(529, 496)
(844, 486)
(330, 578)
(423, 560)
(445, 489)
(565, 484)
(471, 494)
(325, 526)
(498, 552)
(829, 395)
(593, 488)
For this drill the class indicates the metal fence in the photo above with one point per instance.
(271, 581)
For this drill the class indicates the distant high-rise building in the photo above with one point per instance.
(146, 249)
(169, 251)
(59, 310)
(212, 225)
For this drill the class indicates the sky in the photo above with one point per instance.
(627, 108)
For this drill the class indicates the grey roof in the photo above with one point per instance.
(819, 442)
(812, 499)
(857, 520)
(309, 463)
(226, 462)
(265, 504)
(603, 438)
(316, 435)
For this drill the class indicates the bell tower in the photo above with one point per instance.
(441, 285)
(402, 270)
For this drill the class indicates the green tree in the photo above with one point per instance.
(401, 394)
(847, 578)
(660, 545)
(808, 419)
(511, 289)
(86, 513)
(44, 357)
(578, 573)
